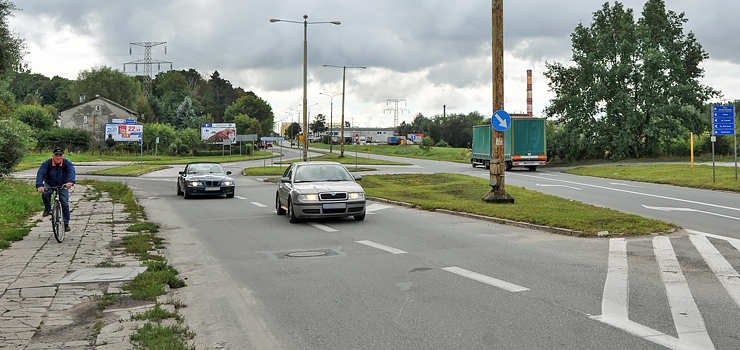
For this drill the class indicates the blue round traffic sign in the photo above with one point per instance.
(501, 120)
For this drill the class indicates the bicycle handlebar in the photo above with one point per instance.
(55, 188)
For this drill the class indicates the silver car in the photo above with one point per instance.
(319, 190)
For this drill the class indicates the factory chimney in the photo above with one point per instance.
(529, 93)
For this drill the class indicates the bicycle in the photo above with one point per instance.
(57, 220)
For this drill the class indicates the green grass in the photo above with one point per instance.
(463, 193)
(671, 174)
(19, 201)
(278, 170)
(119, 193)
(152, 336)
(459, 155)
(157, 314)
(129, 170)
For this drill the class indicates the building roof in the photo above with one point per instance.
(104, 99)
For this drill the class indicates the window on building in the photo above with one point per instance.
(97, 108)
(84, 120)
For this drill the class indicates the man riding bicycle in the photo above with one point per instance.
(56, 171)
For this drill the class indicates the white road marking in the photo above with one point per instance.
(727, 275)
(546, 185)
(734, 241)
(240, 197)
(614, 305)
(627, 185)
(322, 227)
(376, 207)
(637, 193)
(382, 247)
(689, 210)
(686, 316)
(259, 204)
(485, 279)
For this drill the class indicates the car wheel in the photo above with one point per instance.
(291, 212)
(179, 191)
(280, 210)
(360, 217)
(186, 195)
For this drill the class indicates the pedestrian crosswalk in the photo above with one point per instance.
(690, 326)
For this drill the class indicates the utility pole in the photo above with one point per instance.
(396, 109)
(498, 166)
(147, 62)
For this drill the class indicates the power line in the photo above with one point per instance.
(396, 109)
(147, 62)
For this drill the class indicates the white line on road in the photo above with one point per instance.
(627, 185)
(686, 316)
(734, 241)
(485, 279)
(726, 274)
(382, 247)
(690, 210)
(637, 193)
(376, 207)
(322, 227)
(259, 204)
(546, 185)
(240, 197)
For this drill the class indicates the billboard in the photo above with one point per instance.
(124, 132)
(217, 132)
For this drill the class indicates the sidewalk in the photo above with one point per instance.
(39, 312)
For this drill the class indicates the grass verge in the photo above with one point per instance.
(19, 201)
(670, 174)
(463, 193)
(129, 170)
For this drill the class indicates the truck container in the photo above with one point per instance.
(525, 144)
(394, 140)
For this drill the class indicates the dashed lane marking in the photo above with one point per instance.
(258, 204)
(511, 287)
(382, 247)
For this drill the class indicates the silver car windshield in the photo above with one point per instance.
(205, 169)
(321, 172)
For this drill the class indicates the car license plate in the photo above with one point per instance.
(212, 189)
(335, 206)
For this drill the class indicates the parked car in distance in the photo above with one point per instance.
(205, 179)
(309, 190)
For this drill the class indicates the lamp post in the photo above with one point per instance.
(331, 120)
(344, 74)
(305, 73)
(308, 109)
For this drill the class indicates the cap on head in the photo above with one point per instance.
(58, 151)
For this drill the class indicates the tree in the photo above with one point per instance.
(185, 115)
(106, 82)
(12, 47)
(165, 133)
(15, 141)
(293, 130)
(171, 89)
(254, 107)
(34, 116)
(633, 85)
(218, 95)
(246, 125)
(319, 125)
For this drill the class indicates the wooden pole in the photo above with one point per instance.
(498, 166)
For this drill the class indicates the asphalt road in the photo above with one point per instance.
(410, 279)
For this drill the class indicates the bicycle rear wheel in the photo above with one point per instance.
(57, 222)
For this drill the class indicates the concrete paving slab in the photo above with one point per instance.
(113, 274)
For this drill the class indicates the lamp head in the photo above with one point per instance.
(273, 20)
(335, 22)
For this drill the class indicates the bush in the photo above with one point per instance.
(15, 141)
(426, 144)
(71, 139)
(36, 117)
(442, 143)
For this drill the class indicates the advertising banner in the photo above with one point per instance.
(124, 132)
(218, 132)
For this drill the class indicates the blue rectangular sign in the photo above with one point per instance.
(724, 120)
(723, 108)
(724, 126)
(724, 132)
(724, 114)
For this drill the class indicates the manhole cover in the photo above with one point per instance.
(308, 254)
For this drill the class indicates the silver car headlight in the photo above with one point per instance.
(194, 183)
(310, 197)
(227, 183)
(356, 195)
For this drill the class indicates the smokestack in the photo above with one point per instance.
(529, 92)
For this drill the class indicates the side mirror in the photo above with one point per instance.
(182, 172)
(358, 177)
(228, 172)
(284, 179)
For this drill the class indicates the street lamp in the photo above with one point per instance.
(331, 120)
(305, 73)
(344, 74)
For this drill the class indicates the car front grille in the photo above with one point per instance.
(334, 211)
(333, 196)
(211, 183)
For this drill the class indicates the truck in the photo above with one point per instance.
(525, 144)
(394, 140)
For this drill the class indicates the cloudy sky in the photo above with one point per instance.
(429, 52)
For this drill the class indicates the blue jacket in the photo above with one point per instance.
(55, 175)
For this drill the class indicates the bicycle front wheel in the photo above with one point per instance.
(57, 222)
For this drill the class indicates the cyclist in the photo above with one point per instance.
(56, 171)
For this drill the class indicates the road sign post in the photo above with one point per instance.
(723, 123)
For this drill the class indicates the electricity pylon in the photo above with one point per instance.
(147, 62)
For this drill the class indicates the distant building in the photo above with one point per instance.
(92, 116)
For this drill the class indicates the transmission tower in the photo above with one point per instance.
(147, 62)
(396, 109)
